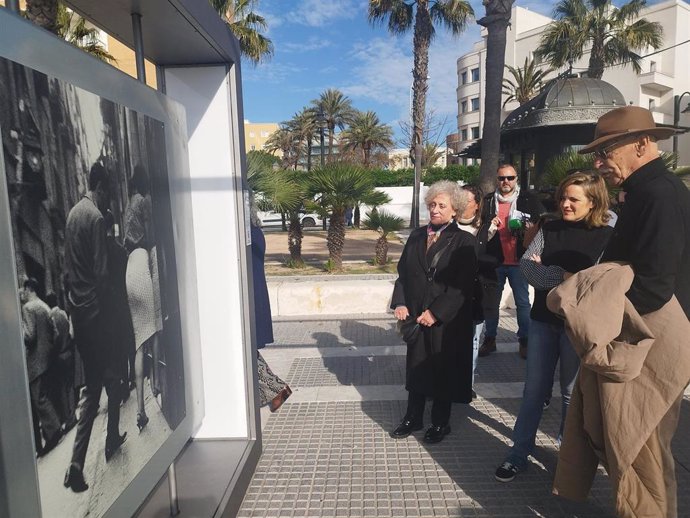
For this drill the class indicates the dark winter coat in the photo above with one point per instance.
(262, 304)
(439, 362)
(653, 234)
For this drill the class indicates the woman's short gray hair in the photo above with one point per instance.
(457, 199)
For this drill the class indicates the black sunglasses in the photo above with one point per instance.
(509, 178)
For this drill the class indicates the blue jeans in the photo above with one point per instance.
(518, 284)
(547, 343)
(478, 327)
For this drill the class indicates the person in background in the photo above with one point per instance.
(511, 210)
(435, 288)
(560, 248)
(38, 339)
(485, 284)
(273, 391)
(64, 365)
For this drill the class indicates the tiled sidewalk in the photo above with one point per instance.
(327, 452)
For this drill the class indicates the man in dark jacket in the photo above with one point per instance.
(511, 211)
(652, 232)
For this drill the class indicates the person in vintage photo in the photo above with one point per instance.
(87, 270)
(38, 339)
(141, 291)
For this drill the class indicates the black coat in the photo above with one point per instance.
(653, 234)
(439, 362)
(527, 203)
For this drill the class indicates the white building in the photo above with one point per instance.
(399, 158)
(665, 72)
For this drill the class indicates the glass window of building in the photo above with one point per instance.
(463, 107)
(463, 135)
(264, 134)
(475, 104)
(475, 74)
(464, 78)
(475, 132)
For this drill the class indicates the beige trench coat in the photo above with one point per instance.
(625, 406)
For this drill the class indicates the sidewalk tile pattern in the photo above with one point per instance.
(334, 457)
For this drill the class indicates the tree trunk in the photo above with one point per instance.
(358, 216)
(336, 238)
(331, 132)
(43, 13)
(422, 39)
(595, 67)
(496, 22)
(295, 241)
(381, 251)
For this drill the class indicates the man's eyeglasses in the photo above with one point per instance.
(603, 153)
(503, 178)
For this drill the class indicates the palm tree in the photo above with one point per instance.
(430, 154)
(384, 223)
(401, 17)
(496, 22)
(72, 28)
(304, 127)
(367, 133)
(611, 33)
(285, 141)
(337, 186)
(526, 82)
(246, 25)
(337, 110)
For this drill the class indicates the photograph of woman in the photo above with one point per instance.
(142, 283)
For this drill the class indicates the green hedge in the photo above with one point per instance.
(405, 177)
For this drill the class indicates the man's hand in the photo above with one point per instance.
(426, 318)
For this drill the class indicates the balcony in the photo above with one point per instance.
(656, 81)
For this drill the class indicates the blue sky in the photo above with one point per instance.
(322, 44)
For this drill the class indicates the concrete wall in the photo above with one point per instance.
(340, 295)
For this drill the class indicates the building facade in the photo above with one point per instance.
(665, 72)
(257, 133)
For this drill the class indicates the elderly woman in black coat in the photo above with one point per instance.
(434, 289)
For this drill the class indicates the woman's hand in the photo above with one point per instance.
(426, 318)
(401, 312)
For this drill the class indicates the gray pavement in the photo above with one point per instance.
(327, 452)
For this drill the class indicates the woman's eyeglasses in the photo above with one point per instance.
(503, 178)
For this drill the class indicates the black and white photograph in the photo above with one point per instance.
(87, 182)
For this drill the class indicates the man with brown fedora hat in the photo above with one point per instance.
(652, 234)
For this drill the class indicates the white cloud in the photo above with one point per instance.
(318, 13)
(313, 43)
(270, 72)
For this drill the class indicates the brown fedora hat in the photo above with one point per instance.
(625, 121)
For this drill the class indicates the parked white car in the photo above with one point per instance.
(274, 219)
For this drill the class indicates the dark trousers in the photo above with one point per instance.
(64, 374)
(90, 338)
(440, 409)
(43, 411)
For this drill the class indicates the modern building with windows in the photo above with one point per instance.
(256, 134)
(665, 73)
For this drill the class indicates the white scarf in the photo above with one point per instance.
(512, 199)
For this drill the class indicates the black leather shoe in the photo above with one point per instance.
(405, 428)
(74, 479)
(51, 443)
(436, 434)
(112, 446)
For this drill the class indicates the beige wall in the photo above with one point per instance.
(256, 134)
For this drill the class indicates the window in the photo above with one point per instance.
(652, 104)
(464, 78)
(475, 104)
(475, 132)
(264, 134)
(463, 107)
(652, 66)
(252, 134)
(253, 147)
(463, 134)
(475, 74)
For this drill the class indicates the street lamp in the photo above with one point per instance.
(321, 121)
(676, 119)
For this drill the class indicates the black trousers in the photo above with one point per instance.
(90, 338)
(440, 409)
(43, 411)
